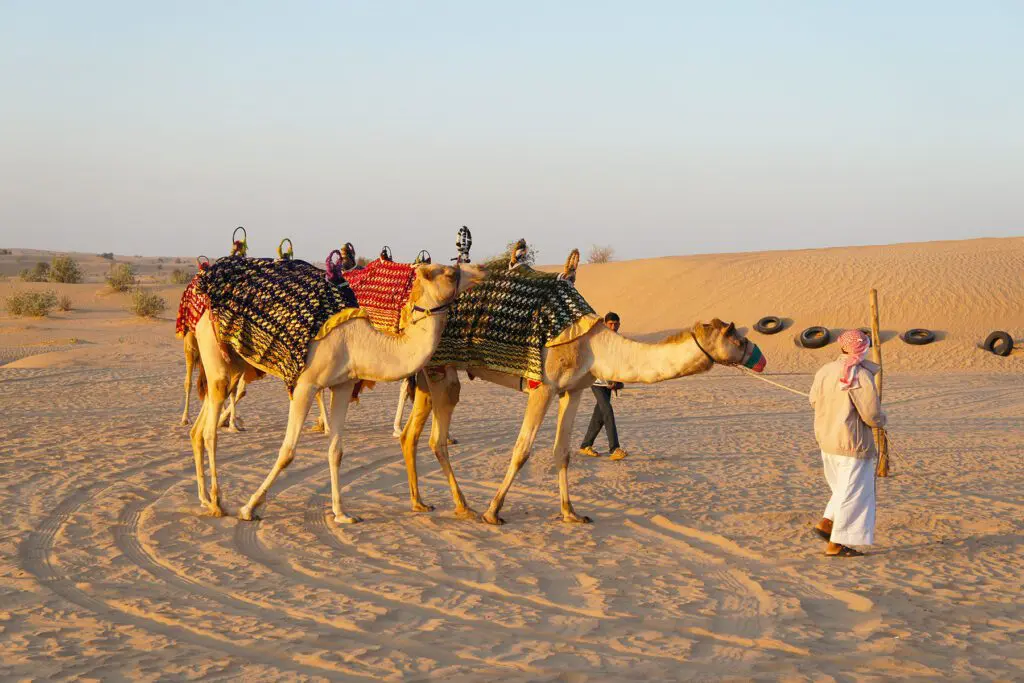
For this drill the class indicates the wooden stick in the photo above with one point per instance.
(876, 355)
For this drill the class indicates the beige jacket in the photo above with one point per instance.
(843, 418)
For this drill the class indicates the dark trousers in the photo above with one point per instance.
(603, 416)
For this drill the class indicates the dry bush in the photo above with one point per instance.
(39, 273)
(5, 252)
(65, 269)
(121, 277)
(600, 254)
(180, 277)
(64, 302)
(35, 304)
(109, 255)
(146, 304)
(503, 258)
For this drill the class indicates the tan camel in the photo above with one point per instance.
(568, 369)
(350, 352)
(228, 415)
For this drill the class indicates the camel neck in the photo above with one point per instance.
(624, 360)
(387, 357)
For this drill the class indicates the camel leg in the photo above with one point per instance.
(410, 439)
(197, 451)
(340, 395)
(403, 394)
(227, 416)
(445, 396)
(321, 420)
(190, 362)
(218, 388)
(536, 407)
(568, 403)
(302, 399)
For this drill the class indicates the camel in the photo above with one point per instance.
(234, 396)
(349, 353)
(568, 369)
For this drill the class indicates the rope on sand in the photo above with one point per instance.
(764, 379)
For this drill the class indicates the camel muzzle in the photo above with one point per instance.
(755, 360)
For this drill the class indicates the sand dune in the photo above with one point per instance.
(700, 563)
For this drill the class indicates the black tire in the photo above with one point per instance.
(999, 343)
(815, 337)
(918, 336)
(769, 324)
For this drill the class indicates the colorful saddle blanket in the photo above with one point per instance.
(269, 311)
(191, 309)
(382, 289)
(504, 322)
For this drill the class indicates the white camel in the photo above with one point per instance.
(349, 353)
(568, 369)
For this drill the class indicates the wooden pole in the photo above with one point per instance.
(876, 355)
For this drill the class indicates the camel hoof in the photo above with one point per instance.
(492, 518)
(318, 427)
(215, 510)
(184, 421)
(453, 441)
(236, 429)
(346, 519)
(573, 518)
(245, 514)
(422, 507)
(396, 434)
(467, 513)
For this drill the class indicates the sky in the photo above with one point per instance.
(659, 128)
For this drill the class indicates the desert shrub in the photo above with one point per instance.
(503, 258)
(5, 252)
(109, 255)
(121, 277)
(146, 304)
(64, 302)
(39, 273)
(180, 277)
(65, 269)
(35, 304)
(600, 254)
(178, 260)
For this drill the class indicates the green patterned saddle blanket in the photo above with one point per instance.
(504, 322)
(269, 311)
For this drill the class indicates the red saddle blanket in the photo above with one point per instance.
(191, 309)
(382, 289)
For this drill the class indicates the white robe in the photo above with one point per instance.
(852, 505)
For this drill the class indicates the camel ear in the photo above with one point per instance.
(428, 273)
(729, 331)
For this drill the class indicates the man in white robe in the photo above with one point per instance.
(846, 408)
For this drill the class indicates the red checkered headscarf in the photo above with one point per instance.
(854, 344)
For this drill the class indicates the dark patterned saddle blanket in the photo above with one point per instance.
(270, 311)
(504, 322)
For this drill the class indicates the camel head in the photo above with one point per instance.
(435, 285)
(724, 345)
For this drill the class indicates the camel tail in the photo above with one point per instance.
(201, 385)
(359, 387)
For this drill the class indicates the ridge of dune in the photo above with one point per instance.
(962, 290)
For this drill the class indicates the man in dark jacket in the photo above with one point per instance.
(603, 415)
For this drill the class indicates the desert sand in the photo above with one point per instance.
(700, 563)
